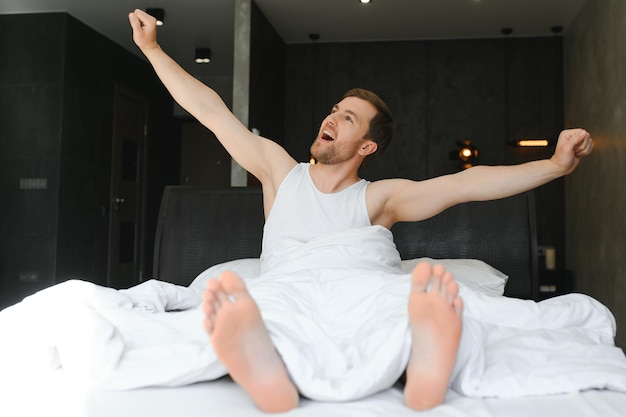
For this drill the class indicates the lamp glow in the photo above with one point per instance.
(533, 142)
(466, 154)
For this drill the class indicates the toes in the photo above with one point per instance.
(222, 297)
(218, 293)
(438, 279)
(435, 285)
(435, 279)
(439, 271)
(446, 278)
(211, 304)
(452, 290)
(208, 325)
(421, 276)
(208, 305)
(443, 282)
(458, 306)
(210, 297)
(232, 283)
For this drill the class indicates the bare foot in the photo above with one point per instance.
(435, 317)
(242, 343)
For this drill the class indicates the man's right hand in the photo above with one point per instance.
(144, 29)
(573, 144)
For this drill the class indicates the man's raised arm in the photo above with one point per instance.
(257, 155)
(405, 200)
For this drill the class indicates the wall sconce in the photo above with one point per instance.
(158, 14)
(203, 55)
(466, 154)
(531, 143)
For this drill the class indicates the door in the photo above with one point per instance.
(126, 208)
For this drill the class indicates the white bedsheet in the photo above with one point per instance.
(53, 396)
(341, 329)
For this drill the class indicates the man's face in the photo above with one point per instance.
(342, 132)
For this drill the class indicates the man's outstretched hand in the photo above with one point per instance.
(144, 29)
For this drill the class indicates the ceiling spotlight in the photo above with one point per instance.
(203, 55)
(365, 1)
(158, 14)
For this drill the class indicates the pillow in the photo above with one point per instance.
(245, 268)
(472, 273)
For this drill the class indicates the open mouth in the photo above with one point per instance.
(327, 136)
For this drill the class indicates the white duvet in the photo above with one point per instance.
(336, 311)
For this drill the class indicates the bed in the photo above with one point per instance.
(202, 232)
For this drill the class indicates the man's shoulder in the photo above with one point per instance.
(380, 201)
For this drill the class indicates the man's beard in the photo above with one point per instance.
(327, 156)
(330, 155)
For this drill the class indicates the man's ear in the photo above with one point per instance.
(368, 148)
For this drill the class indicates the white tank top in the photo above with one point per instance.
(301, 212)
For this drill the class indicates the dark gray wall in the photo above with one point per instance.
(595, 91)
(57, 79)
(267, 75)
(31, 85)
(488, 91)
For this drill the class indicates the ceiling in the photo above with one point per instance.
(209, 23)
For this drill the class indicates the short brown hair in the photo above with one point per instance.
(381, 126)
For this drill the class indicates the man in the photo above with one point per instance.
(356, 129)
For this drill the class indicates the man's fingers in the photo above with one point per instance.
(574, 137)
(581, 142)
(585, 147)
(135, 20)
(139, 18)
(144, 29)
(132, 18)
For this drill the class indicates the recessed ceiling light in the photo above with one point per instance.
(158, 14)
(203, 55)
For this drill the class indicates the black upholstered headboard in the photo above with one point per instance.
(200, 227)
